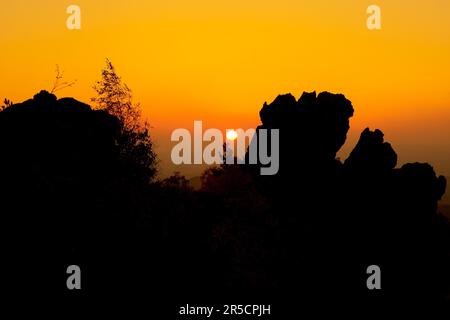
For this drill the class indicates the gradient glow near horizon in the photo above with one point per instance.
(219, 61)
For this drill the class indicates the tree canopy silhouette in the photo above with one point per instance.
(135, 143)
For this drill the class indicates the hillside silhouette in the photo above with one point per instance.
(305, 235)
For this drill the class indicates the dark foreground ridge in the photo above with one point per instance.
(303, 238)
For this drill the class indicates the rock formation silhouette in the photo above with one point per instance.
(304, 236)
(65, 193)
(353, 214)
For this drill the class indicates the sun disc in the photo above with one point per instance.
(231, 135)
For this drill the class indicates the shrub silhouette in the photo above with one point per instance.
(134, 142)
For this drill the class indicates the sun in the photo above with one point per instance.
(231, 135)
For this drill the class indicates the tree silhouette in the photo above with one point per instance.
(135, 143)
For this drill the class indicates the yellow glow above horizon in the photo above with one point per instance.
(219, 61)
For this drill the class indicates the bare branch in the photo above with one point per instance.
(58, 84)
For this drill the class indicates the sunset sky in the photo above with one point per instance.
(219, 61)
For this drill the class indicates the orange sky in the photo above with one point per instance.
(218, 61)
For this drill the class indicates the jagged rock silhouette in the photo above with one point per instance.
(372, 153)
(314, 128)
(359, 212)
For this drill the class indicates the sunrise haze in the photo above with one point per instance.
(219, 61)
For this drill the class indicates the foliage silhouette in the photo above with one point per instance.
(135, 144)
